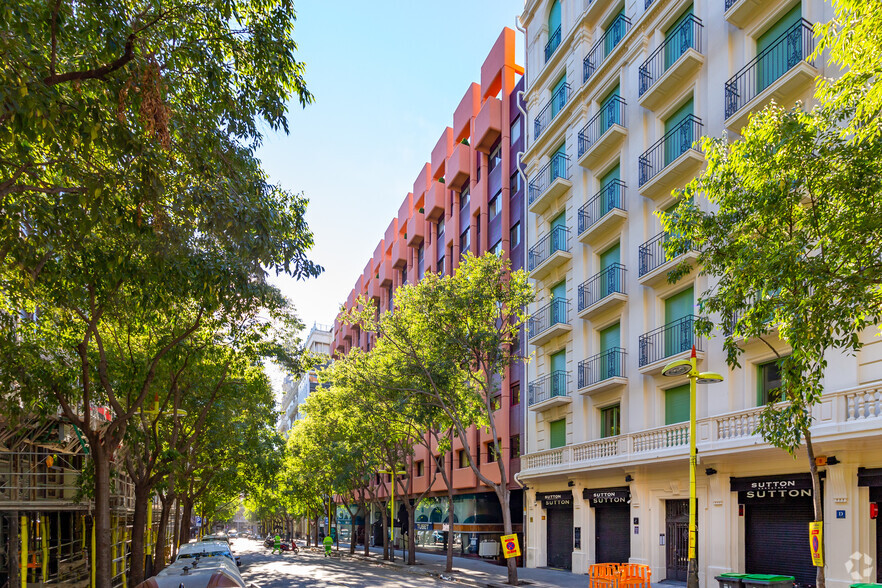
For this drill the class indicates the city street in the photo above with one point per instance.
(260, 569)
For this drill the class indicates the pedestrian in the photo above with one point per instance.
(277, 544)
(328, 541)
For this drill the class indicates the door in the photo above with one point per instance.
(609, 111)
(677, 539)
(777, 538)
(559, 233)
(610, 340)
(678, 329)
(559, 303)
(609, 262)
(610, 190)
(559, 373)
(558, 96)
(779, 48)
(559, 163)
(612, 539)
(678, 132)
(554, 17)
(559, 542)
(679, 38)
(614, 33)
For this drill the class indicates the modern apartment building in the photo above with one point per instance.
(295, 392)
(617, 94)
(469, 197)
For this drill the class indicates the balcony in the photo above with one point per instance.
(552, 44)
(672, 160)
(458, 166)
(416, 229)
(548, 322)
(436, 199)
(603, 133)
(671, 67)
(654, 263)
(385, 274)
(843, 413)
(550, 391)
(373, 291)
(741, 13)
(399, 252)
(780, 73)
(603, 213)
(488, 125)
(602, 291)
(602, 371)
(551, 251)
(549, 182)
(664, 344)
(558, 100)
(605, 46)
(593, 11)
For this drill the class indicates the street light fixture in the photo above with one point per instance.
(689, 368)
(393, 473)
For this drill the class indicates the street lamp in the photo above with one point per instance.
(392, 472)
(689, 368)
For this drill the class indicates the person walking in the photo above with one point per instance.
(328, 541)
(277, 544)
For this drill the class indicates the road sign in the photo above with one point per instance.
(198, 521)
(510, 547)
(816, 539)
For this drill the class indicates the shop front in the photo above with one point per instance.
(558, 528)
(777, 511)
(612, 528)
(872, 479)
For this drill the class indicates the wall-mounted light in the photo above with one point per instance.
(571, 483)
(832, 460)
(629, 478)
(710, 471)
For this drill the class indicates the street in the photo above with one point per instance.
(260, 569)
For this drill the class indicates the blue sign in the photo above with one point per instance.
(840, 514)
(422, 526)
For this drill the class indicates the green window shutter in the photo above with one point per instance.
(612, 194)
(616, 31)
(679, 141)
(554, 17)
(679, 305)
(677, 405)
(775, 63)
(611, 176)
(678, 38)
(559, 361)
(559, 290)
(610, 337)
(609, 282)
(559, 221)
(557, 99)
(557, 433)
(610, 256)
(609, 110)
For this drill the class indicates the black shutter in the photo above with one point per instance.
(559, 533)
(612, 537)
(777, 539)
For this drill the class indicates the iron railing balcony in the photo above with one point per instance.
(556, 312)
(652, 255)
(552, 44)
(552, 109)
(729, 4)
(612, 113)
(663, 152)
(603, 366)
(610, 280)
(610, 197)
(794, 45)
(686, 36)
(554, 385)
(673, 338)
(558, 239)
(557, 167)
(613, 35)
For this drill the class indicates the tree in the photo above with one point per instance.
(457, 336)
(792, 243)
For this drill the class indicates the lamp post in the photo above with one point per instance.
(689, 368)
(393, 473)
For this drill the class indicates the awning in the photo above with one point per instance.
(776, 482)
(561, 498)
(619, 496)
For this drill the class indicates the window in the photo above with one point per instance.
(515, 393)
(440, 265)
(421, 268)
(515, 446)
(496, 403)
(515, 236)
(465, 242)
(420, 468)
(495, 157)
(464, 195)
(677, 405)
(439, 230)
(496, 205)
(768, 382)
(403, 275)
(462, 459)
(514, 183)
(557, 433)
(389, 477)
(610, 421)
(439, 463)
(497, 249)
(492, 452)
(389, 298)
(516, 130)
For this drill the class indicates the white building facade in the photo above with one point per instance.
(295, 391)
(617, 94)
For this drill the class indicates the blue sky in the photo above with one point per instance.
(386, 77)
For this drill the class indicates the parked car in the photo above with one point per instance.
(207, 548)
(197, 572)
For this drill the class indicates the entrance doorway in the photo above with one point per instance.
(612, 541)
(676, 539)
(559, 542)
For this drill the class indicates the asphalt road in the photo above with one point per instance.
(260, 569)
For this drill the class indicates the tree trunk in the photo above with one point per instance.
(504, 499)
(101, 514)
(386, 544)
(411, 540)
(368, 527)
(186, 515)
(162, 532)
(317, 544)
(138, 524)
(14, 550)
(816, 497)
(449, 546)
(308, 529)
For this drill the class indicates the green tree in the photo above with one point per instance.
(792, 242)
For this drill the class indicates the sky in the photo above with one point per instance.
(386, 76)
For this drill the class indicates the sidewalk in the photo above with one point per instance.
(473, 572)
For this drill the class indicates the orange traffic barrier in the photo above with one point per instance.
(604, 575)
(635, 576)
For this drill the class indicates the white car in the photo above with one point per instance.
(197, 572)
(207, 548)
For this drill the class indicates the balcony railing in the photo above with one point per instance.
(671, 339)
(556, 240)
(611, 113)
(610, 280)
(558, 167)
(556, 312)
(608, 198)
(549, 111)
(687, 36)
(793, 46)
(674, 144)
(614, 33)
(554, 385)
(552, 44)
(729, 4)
(605, 365)
(652, 255)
